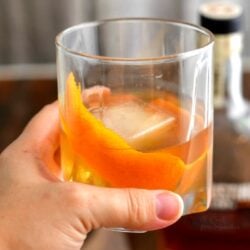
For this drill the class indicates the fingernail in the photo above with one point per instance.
(169, 206)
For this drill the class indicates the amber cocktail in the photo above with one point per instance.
(135, 102)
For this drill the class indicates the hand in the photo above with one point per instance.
(38, 211)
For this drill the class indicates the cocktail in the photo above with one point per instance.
(135, 103)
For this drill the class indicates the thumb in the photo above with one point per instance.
(132, 209)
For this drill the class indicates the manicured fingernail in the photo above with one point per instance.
(169, 206)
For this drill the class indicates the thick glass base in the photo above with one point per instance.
(196, 201)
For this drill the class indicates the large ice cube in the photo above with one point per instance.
(142, 125)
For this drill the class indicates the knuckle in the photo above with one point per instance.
(4, 155)
(139, 207)
(8, 156)
(8, 152)
(48, 106)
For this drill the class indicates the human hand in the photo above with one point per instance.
(39, 211)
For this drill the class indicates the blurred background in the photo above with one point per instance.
(28, 27)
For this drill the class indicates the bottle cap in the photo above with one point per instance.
(221, 17)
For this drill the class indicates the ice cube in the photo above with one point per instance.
(125, 119)
(142, 125)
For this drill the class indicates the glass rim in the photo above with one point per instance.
(182, 55)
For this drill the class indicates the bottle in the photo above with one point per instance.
(232, 112)
(224, 19)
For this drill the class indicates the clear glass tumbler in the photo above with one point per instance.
(135, 101)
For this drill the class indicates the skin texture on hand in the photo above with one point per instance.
(39, 211)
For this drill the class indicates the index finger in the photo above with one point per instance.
(40, 138)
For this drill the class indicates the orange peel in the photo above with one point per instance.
(109, 155)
